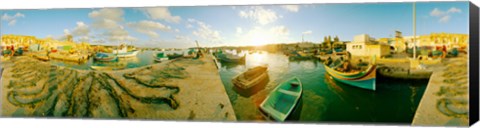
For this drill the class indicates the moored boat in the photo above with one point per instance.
(112, 66)
(230, 58)
(404, 73)
(127, 54)
(301, 56)
(105, 57)
(174, 55)
(281, 102)
(251, 78)
(107, 67)
(159, 57)
(365, 79)
(43, 57)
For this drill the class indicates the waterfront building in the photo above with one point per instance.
(18, 41)
(438, 40)
(22, 41)
(364, 45)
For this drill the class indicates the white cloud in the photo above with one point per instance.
(444, 19)
(107, 18)
(292, 8)
(259, 35)
(437, 12)
(189, 26)
(182, 38)
(206, 33)
(12, 20)
(177, 30)
(115, 14)
(149, 27)
(260, 15)
(280, 30)
(118, 34)
(161, 13)
(307, 32)
(444, 16)
(105, 24)
(66, 32)
(81, 29)
(109, 22)
(239, 30)
(454, 10)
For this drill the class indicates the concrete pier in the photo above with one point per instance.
(180, 89)
(445, 101)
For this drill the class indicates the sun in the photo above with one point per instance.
(260, 38)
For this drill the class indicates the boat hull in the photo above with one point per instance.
(282, 101)
(400, 73)
(161, 59)
(222, 57)
(365, 79)
(128, 54)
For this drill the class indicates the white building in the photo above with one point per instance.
(364, 45)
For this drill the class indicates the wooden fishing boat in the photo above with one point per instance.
(281, 102)
(43, 57)
(174, 55)
(301, 56)
(127, 54)
(250, 78)
(113, 66)
(404, 73)
(107, 67)
(105, 57)
(159, 57)
(363, 79)
(225, 57)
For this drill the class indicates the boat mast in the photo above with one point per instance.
(414, 32)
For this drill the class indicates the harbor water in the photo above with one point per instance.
(324, 99)
(143, 58)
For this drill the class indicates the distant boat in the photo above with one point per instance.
(299, 55)
(365, 79)
(128, 54)
(113, 66)
(250, 78)
(160, 57)
(226, 57)
(42, 56)
(174, 55)
(281, 102)
(107, 67)
(405, 73)
(123, 51)
(105, 57)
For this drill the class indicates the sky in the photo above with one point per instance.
(180, 27)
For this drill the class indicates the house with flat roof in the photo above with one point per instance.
(364, 45)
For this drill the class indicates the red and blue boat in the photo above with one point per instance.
(365, 79)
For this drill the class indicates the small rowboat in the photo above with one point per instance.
(128, 54)
(109, 67)
(281, 102)
(174, 55)
(105, 57)
(225, 57)
(159, 57)
(42, 56)
(251, 81)
(405, 73)
(365, 79)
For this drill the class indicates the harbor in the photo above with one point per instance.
(179, 84)
(125, 63)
